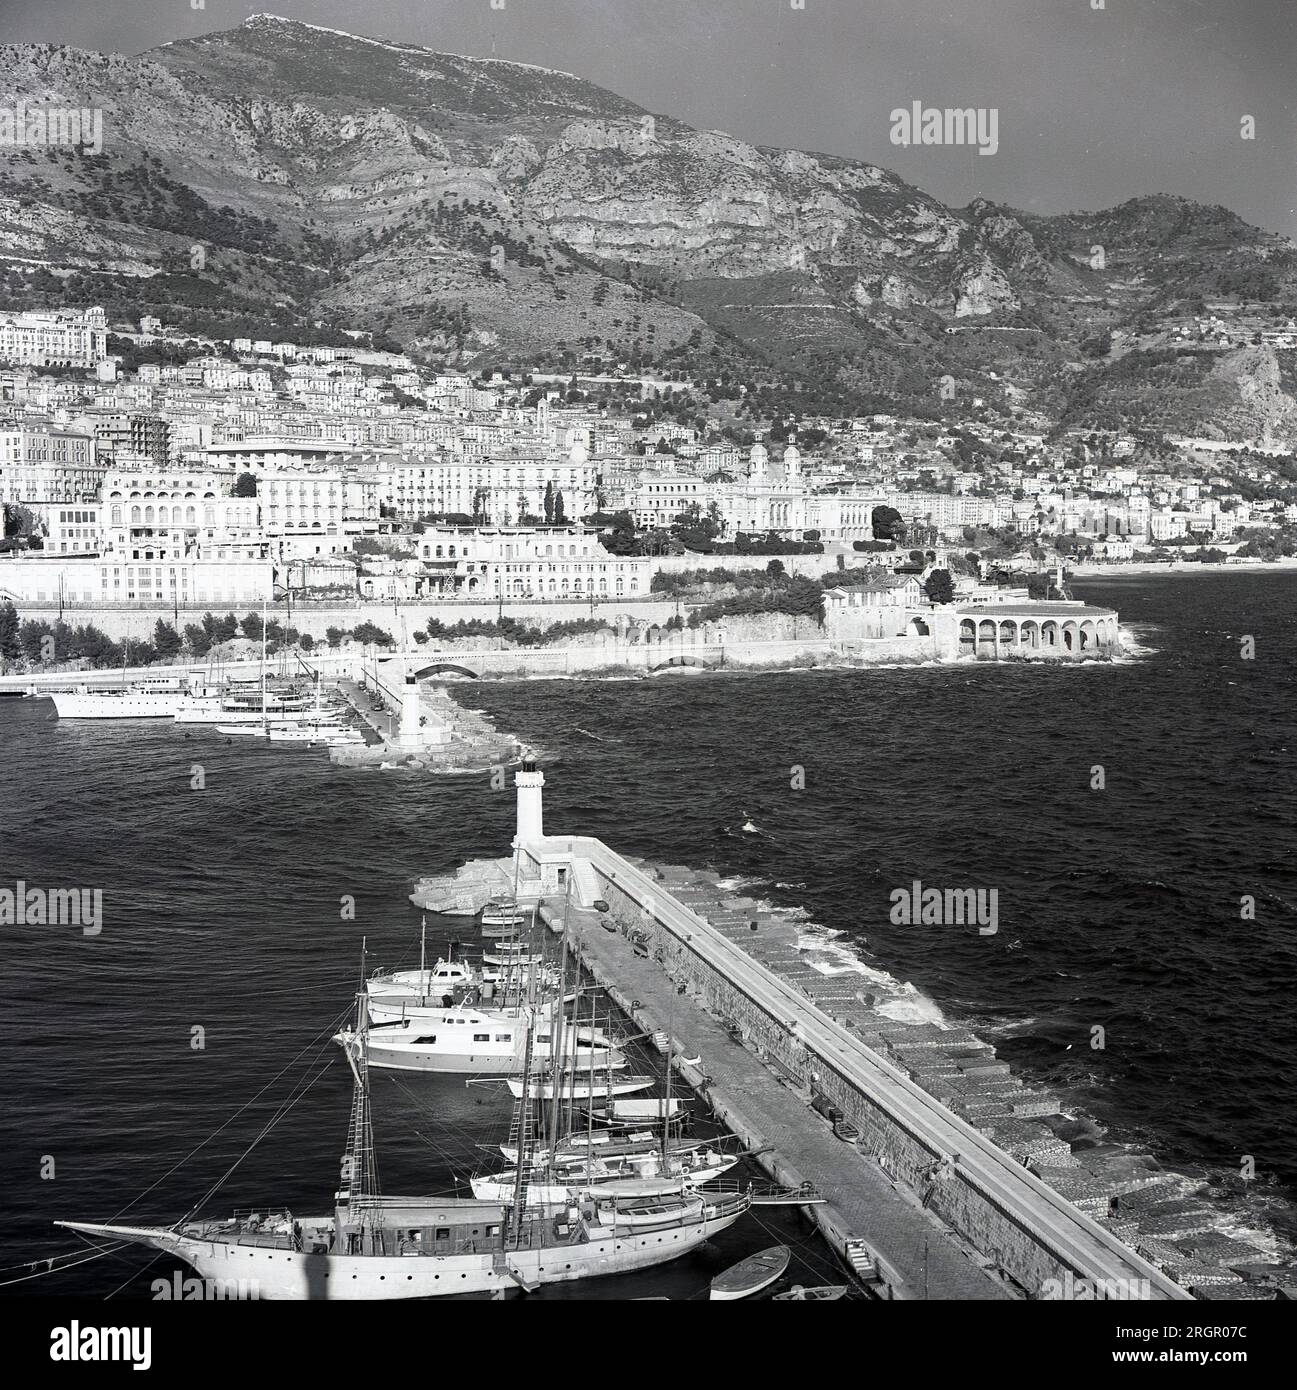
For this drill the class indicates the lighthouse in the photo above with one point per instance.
(530, 783)
(409, 736)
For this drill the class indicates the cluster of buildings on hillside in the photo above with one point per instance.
(136, 480)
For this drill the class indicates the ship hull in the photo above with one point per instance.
(414, 1058)
(101, 706)
(277, 1274)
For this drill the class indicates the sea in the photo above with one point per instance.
(1135, 816)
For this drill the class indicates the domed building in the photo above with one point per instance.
(782, 500)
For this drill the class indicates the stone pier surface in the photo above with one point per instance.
(421, 726)
(961, 1181)
(914, 1254)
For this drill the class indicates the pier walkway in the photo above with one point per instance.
(918, 1256)
(1027, 1214)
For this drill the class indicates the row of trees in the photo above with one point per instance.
(800, 597)
(38, 642)
(507, 630)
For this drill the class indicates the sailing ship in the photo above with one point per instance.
(638, 1112)
(372, 1246)
(549, 1183)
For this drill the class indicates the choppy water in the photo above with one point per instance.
(1117, 908)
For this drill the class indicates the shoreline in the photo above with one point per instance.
(1287, 565)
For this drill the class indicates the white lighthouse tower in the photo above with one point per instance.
(409, 731)
(530, 784)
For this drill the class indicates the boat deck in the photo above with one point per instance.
(861, 1201)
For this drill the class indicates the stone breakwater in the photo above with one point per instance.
(1167, 1218)
(1164, 1216)
(460, 740)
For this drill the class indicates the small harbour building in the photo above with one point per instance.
(1064, 629)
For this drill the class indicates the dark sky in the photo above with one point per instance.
(1095, 105)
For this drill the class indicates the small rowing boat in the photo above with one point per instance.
(752, 1275)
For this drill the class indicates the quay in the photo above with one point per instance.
(907, 1253)
(925, 1204)
(410, 722)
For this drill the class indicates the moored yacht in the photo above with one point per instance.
(154, 697)
(471, 1041)
(375, 1247)
(551, 1186)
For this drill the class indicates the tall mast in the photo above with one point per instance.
(666, 1105)
(589, 1105)
(359, 1189)
(263, 663)
(559, 1032)
(423, 954)
(524, 1135)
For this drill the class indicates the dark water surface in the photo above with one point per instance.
(1117, 908)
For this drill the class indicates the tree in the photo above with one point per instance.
(306, 642)
(560, 516)
(32, 635)
(333, 636)
(166, 639)
(245, 485)
(940, 588)
(10, 645)
(775, 569)
(251, 626)
(198, 638)
(621, 540)
(549, 501)
(887, 522)
(370, 634)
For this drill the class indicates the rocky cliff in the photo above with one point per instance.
(479, 210)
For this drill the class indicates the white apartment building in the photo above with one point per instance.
(499, 488)
(54, 339)
(47, 463)
(942, 510)
(551, 562)
(119, 579)
(1164, 525)
(74, 530)
(658, 498)
(302, 511)
(173, 515)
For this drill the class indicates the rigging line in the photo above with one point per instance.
(135, 1274)
(220, 1128)
(95, 1253)
(283, 1110)
(49, 1260)
(430, 1115)
(813, 1261)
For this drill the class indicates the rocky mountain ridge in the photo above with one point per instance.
(482, 210)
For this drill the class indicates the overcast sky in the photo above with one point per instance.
(1095, 105)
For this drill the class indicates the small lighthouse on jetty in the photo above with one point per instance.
(542, 865)
(409, 734)
(530, 784)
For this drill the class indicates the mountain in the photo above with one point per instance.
(279, 175)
